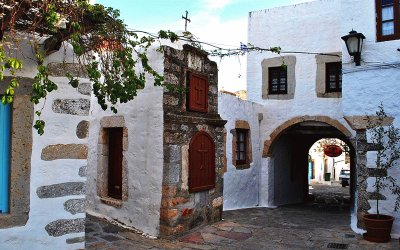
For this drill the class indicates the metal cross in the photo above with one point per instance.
(186, 20)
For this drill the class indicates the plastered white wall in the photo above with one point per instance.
(310, 27)
(144, 121)
(241, 187)
(60, 129)
(375, 81)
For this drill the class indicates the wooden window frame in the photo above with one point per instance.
(396, 16)
(245, 132)
(107, 123)
(6, 153)
(22, 116)
(335, 65)
(280, 69)
(190, 95)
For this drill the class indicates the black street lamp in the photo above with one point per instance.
(354, 43)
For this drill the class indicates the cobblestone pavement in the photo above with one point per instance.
(332, 195)
(307, 226)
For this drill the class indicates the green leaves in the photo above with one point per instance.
(387, 137)
(115, 58)
(39, 126)
(42, 85)
(13, 63)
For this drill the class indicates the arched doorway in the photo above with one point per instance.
(288, 151)
(329, 173)
(201, 163)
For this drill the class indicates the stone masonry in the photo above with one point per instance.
(180, 209)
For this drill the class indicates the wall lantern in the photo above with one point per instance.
(354, 43)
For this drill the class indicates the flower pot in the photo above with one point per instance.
(378, 227)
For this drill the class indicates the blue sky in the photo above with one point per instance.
(217, 21)
(160, 14)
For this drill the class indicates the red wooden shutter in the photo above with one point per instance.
(115, 162)
(201, 163)
(198, 93)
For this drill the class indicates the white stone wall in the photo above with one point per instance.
(294, 28)
(144, 120)
(375, 81)
(60, 129)
(241, 187)
(310, 27)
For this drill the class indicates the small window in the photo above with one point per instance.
(388, 20)
(333, 77)
(198, 93)
(241, 147)
(5, 133)
(115, 149)
(277, 80)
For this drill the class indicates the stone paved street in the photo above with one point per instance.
(288, 227)
(333, 195)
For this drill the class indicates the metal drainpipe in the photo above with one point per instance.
(260, 118)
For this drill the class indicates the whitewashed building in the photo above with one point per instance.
(290, 108)
(45, 208)
(142, 167)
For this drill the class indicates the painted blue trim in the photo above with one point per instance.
(5, 123)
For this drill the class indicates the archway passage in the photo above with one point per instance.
(329, 173)
(289, 161)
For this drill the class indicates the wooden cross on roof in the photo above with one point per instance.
(186, 19)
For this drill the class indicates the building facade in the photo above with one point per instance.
(46, 187)
(312, 90)
(167, 178)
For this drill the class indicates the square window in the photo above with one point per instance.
(277, 80)
(333, 77)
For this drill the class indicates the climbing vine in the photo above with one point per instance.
(110, 54)
(113, 57)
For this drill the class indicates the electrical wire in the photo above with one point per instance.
(219, 51)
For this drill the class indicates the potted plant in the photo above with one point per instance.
(387, 139)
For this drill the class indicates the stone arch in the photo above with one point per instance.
(324, 119)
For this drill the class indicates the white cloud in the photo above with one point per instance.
(210, 28)
(207, 26)
(216, 4)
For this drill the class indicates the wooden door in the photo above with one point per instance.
(5, 123)
(115, 162)
(201, 163)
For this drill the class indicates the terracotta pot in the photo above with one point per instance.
(378, 227)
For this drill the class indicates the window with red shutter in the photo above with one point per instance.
(198, 93)
(387, 20)
(201, 163)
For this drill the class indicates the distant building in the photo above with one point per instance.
(242, 94)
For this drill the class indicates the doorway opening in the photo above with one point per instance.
(292, 168)
(329, 173)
